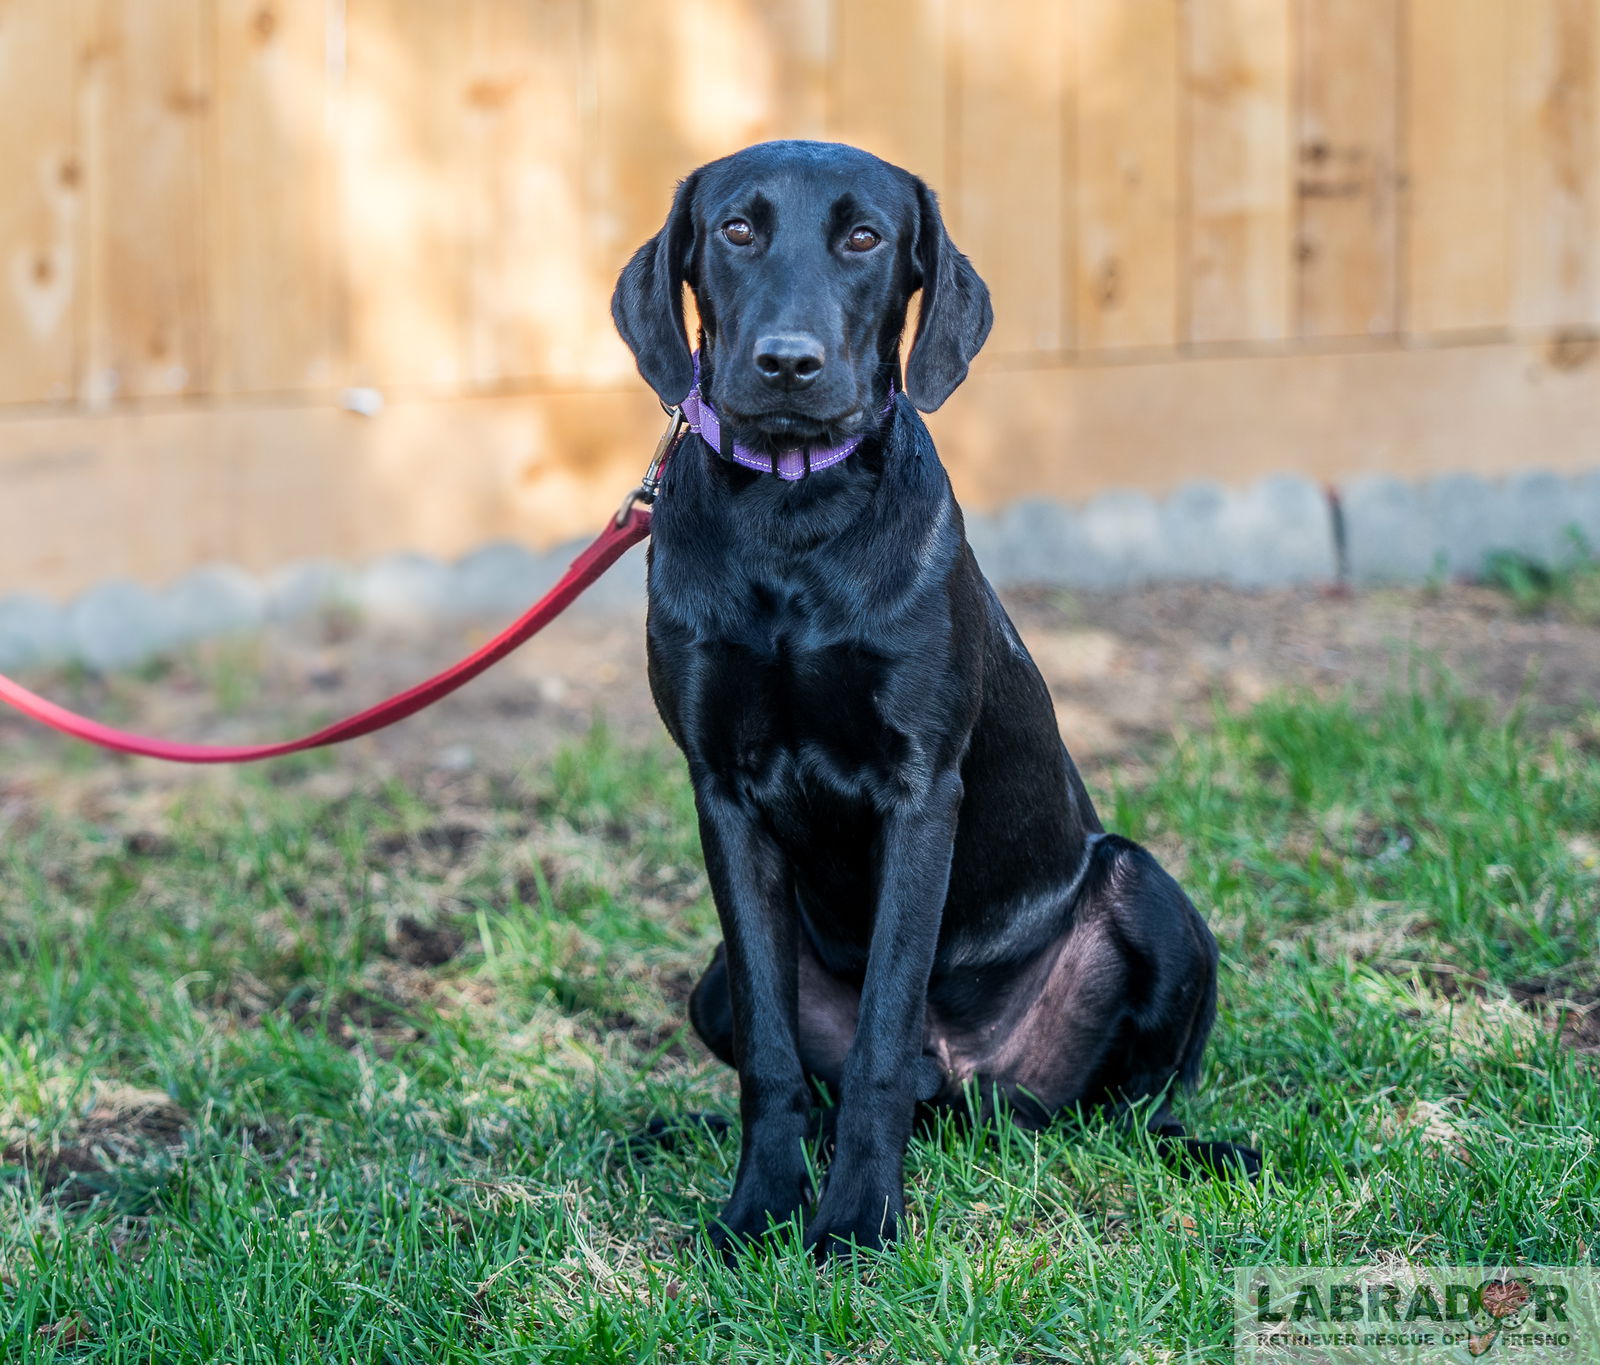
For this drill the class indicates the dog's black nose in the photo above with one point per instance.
(790, 361)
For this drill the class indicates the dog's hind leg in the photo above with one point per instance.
(1124, 1011)
(1200, 1156)
(711, 1008)
(827, 1010)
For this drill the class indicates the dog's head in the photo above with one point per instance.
(803, 257)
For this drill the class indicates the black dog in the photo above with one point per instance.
(917, 898)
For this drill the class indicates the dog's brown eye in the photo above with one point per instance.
(739, 232)
(862, 239)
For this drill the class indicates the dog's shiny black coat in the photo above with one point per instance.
(918, 901)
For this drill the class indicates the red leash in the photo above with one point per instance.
(628, 528)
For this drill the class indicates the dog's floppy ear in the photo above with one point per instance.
(648, 303)
(955, 316)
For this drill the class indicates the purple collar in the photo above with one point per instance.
(791, 465)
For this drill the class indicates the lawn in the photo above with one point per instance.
(295, 1069)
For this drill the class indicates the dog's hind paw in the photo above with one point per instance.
(1216, 1160)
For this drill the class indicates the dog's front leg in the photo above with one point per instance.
(752, 885)
(885, 1073)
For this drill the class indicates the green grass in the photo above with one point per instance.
(293, 1072)
(1570, 585)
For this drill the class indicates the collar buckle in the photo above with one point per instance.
(649, 486)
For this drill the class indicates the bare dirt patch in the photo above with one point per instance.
(1571, 1007)
(123, 1125)
(1126, 669)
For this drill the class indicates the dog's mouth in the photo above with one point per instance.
(786, 429)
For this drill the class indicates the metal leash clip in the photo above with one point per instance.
(650, 485)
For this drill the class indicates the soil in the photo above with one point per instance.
(1126, 668)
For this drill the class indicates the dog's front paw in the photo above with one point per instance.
(862, 1219)
(757, 1209)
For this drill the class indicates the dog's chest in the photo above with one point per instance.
(798, 727)
(787, 676)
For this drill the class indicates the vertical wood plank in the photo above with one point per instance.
(1126, 171)
(1347, 249)
(404, 180)
(1007, 203)
(755, 74)
(152, 101)
(273, 244)
(758, 71)
(799, 35)
(642, 146)
(1237, 59)
(1456, 207)
(1555, 160)
(525, 222)
(40, 211)
(889, 82)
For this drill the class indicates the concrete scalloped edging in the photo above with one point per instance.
(119, 624)
(1397, 532)
(1278, 531)
(1274, 532)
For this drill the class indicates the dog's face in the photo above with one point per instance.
(803, 257)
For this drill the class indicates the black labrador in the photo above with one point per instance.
(919, 905)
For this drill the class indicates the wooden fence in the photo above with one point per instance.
(1226, 238)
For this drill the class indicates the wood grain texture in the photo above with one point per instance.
(1347, 246)
(1007, 193)
(1240, 221)
(799, 34)
(404, 183)
(262, 483)
(1555, 163)
(756, 74)
(759, 71)
(131, 493)
(644, 141)
(1072, 431)
(890, 82)
(149, 111)
(523, 204)
(41, 211)
(221, 212)
(1126, 173)
(1457, 212)
(272, 246)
